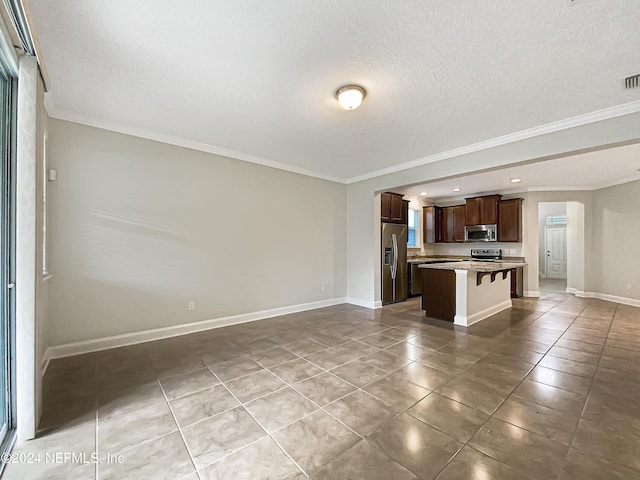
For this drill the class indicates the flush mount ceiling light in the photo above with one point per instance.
(515, 180)
(457, 189)
(423, 194)
(350, 96)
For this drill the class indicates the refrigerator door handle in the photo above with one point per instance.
(394, 266)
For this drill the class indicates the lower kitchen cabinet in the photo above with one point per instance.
(517, 279)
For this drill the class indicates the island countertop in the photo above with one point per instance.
(474, 265)
(433, 260)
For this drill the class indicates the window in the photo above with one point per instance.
(7, 259)
(556, 220)
(414, 229)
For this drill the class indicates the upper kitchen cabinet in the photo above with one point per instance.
(404, 215)
(510, 220)
(431, 224)
(482, 210)
(392, 208)
(385, 207)
(453, 222)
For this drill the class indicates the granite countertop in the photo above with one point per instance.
(433, 260)
(475, 266)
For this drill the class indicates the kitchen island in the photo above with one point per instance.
(466, 292)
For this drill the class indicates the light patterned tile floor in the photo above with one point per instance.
(547, 389)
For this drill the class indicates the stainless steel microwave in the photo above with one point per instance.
(481, 233)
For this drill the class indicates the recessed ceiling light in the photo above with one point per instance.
(457, 189)
(350, 96)
(515, 180)
(423, 194)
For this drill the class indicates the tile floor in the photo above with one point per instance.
(553, 285)
(546, 390)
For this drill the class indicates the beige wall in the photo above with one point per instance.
(576, 255)
(616, 237)
(140, 228)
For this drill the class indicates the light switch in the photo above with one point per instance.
(53, 175)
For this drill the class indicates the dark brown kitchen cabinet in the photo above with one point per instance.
(510, 220)
(392, 208)
(431, 224)
(404, 216)
(482, 210)
(439, 293)
(385, 207)
(396, 208)
(516, 282)
(453, 222)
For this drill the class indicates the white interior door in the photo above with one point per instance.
(556, 250)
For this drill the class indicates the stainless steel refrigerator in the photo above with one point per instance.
(394, 263)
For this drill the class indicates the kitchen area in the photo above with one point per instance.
(424, 256)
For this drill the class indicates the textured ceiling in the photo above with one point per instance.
(256, 80)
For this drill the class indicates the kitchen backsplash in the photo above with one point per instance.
(508, 249)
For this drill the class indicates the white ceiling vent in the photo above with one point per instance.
(632, 82)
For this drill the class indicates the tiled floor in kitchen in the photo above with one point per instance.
(546, 390)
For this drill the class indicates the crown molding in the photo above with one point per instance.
(598, 115)
(515, 191)
(634, 178)
(182, 142)
(561, 189)
(591, 188)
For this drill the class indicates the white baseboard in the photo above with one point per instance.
(361, 302)
(532, 293)
(87, 346)
(466, 321)
(634, 302)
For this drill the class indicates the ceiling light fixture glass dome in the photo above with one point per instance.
(350, 96)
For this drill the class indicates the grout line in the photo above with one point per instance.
(199, 390)
(502, 338)
(491, 416)
(322, 407)
(184, 440)
(263, 428)
(593, 379)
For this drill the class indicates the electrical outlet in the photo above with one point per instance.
(324, 287)
(191, 305)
